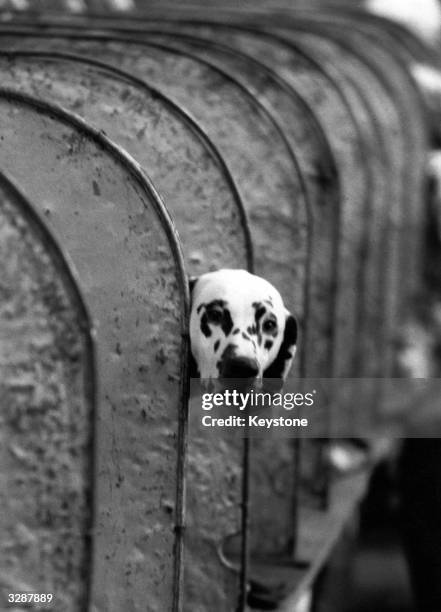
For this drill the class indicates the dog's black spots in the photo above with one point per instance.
(269, 302)
(216, 345)
(277, 368)
(227, 322)
(218, 314)
(199, 308)
(260, 310)
(268, 345)
(236, 331)
(252, 330)
(205, 328)
(245, 336)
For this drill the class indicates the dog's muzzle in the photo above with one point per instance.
(239, 367)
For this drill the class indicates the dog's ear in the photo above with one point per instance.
(279, 368)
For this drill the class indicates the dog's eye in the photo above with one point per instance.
(269, 325)
(215, 315)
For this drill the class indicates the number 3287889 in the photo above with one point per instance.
(30, 597)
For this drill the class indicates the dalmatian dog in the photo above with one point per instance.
(239, 327)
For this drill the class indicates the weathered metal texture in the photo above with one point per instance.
(394, 40)
(407, 141)
(268, 483)
(402, 47)
(348, 23)
(266, 174)
(121, 241)
(318, 167)
(272, 466)
(381, 120)
(386, 150)
(183, 164)
(252, 144)
(273, 529)
(47, 404)
(347, 143)
(377, 105)
(223, 241)
(378, 265)
(373, 37)
(376, 41)
(271, 489)
(229, 522)
(273, 496)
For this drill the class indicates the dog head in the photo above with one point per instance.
(239, 327)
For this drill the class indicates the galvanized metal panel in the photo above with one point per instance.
(399, 252)
(379, 246)
(272, 492)
(184, 165)
(347, 24)
(317, 165)
(353, 29)
(379, 265)
(384, 147)
(47, 403)
(123, 246)
(217, 238)
(333, 109)
(274, 529)
(255, 160)
(383, 48)
(319, 172)
(380, 52)
(395, 43)
(398, 258)
(271, 466)
(251, 143)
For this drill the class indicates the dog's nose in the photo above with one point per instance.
(240, 367)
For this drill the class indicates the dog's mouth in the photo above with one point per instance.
(239, 368)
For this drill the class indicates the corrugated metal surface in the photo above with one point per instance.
(119, 238)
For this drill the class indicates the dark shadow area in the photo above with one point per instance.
(380, 578)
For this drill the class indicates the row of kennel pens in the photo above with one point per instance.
(134, 152)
